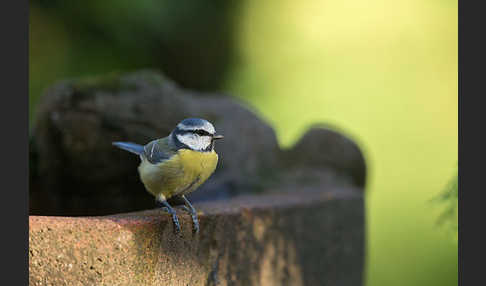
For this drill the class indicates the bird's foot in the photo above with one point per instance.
(175, 219)
(195, 220)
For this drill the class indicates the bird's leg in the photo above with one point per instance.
(172, 212)
(189, 208)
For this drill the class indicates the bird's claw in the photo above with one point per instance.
(195, 221)
(195, 224)
(175, 222)
(175, 219)
(177, 226)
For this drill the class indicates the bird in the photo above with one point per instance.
(176, 165)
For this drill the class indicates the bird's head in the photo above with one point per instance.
(196, 134)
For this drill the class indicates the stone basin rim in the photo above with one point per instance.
(235, 205)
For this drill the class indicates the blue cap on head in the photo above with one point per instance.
(196, 123)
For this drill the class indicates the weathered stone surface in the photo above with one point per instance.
(300, 238)
(76, 171)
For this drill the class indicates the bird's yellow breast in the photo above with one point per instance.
(181, 174)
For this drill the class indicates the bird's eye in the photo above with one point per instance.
(201, 132)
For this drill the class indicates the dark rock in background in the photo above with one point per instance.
(322, 148)
(74, 169)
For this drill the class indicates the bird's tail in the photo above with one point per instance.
(130, 147)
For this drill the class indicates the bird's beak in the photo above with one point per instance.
(216, 137)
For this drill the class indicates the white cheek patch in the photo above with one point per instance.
(195, 142)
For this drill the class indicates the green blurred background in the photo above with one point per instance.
(383, 72)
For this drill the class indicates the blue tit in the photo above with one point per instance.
(177, 164)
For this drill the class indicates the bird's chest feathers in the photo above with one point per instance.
(198, 164)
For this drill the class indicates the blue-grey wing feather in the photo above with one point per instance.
(155, 153)
(130, 147)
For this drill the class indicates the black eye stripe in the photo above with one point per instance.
(202, 132)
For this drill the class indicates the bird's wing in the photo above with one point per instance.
(130, 147)
(157, 151)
